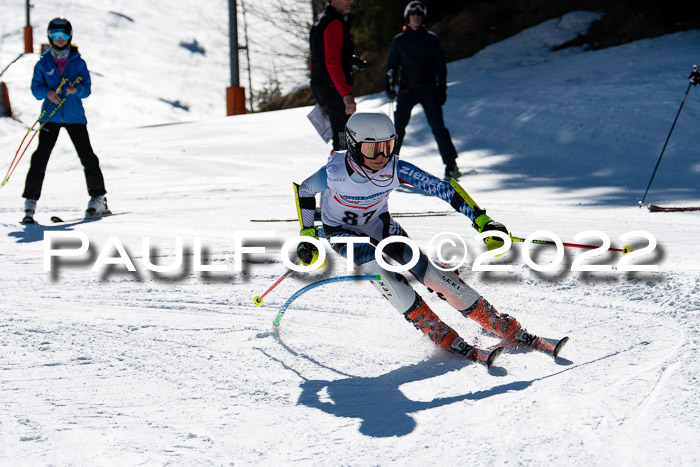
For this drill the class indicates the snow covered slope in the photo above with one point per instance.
(111, 367)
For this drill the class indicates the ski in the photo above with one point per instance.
(551, 347)
(397, 214)
(657, 208)
(58, 220)
(485, 357)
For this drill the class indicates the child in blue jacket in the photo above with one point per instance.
(62, 75)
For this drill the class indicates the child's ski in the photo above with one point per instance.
(57, 220)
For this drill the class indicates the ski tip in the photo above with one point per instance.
(493, 356)
(656, 208)
(560, 345)
(56, 219)
(484, 357)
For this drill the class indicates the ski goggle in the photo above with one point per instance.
(415, 8)
(373, 150)
(58, 35)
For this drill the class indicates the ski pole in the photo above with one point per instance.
(7, 175)
(16, 160)
(694, 73)
(391, 81)
(259, 299)
(623, 250)
(300, 292)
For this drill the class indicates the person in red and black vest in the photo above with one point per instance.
(332, 66)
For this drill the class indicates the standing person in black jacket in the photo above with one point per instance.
(422, 80)
(332, 66)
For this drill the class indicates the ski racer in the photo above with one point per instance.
(357, 184)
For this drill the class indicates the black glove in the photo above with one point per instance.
(307, 252)
(495, 225)
(441, 94)
(390, 86)
(695, 76)
(358, 63)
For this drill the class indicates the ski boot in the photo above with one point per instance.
(29, 209)
(426, 321)
(97, 207)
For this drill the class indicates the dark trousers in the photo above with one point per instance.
(406, 100)
(47, 140)
(329, 99)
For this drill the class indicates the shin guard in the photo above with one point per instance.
(490, 319)
(394, 287)
(448, 286)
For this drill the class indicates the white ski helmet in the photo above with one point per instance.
(369, 128)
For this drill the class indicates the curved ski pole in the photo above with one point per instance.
(624, 250)
(16, 160)
(280, 314)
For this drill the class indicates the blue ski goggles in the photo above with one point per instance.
(58, 35)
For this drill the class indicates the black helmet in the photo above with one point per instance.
(60, 26)
(414, 7)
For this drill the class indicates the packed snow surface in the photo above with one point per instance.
(100, 365)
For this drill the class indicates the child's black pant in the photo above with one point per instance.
(47, 140)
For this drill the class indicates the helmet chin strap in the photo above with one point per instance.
(371, 180)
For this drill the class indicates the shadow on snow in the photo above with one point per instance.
(384, 410)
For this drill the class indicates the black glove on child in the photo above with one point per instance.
(307, 252)
(484, 223)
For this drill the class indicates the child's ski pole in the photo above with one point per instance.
(16, 160)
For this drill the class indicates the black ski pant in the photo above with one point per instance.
(425, 96)
(329, 99)
(47, 140)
